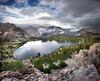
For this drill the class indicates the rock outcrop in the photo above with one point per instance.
(95, 48)
(84, 66)
(87, 73)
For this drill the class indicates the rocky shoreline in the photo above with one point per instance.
(83, 66)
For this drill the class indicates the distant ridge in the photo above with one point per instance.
(88, 31)
(47, 31)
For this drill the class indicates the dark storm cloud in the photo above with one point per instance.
(78, 12)
(83, 12)
(81, 7)
(91, 22)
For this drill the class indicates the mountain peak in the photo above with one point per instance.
(47, 31)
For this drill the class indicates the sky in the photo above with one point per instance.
(63, 13)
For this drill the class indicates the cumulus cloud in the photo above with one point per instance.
(77, 12)
(24, 16)
(21, 1)
(64, 13)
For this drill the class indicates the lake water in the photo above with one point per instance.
(33, 48)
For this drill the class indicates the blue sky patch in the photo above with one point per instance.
(33, 2)
(8, 3)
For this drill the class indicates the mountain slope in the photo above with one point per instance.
(88, 31)
(11, 32)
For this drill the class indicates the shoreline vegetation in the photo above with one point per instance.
(50, 62)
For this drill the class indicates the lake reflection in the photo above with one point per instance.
(33, 48)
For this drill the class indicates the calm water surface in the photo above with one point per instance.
(33, 48)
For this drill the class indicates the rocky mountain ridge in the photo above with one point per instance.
(11, 32)
(88, 31)
(47, 31)
(8, 30)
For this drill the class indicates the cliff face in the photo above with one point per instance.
(83, 66)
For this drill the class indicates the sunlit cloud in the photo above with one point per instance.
(40, 17)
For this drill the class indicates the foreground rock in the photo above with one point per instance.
(9, 74)
(87, 73)
(95, 48)
(84, 66)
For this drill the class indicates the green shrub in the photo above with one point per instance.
(13, 66)
(62, 65)
(52, 66)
